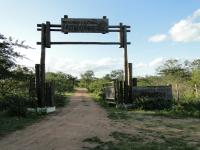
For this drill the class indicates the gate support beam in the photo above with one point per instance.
(42, 67)
(123, 41)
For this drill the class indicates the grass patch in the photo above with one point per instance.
(9, 124)
(153, 130)
(174, 113)
(123, 141)
(113, 112)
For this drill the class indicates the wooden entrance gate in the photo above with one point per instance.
(80, 25)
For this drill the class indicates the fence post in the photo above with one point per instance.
(37, 79)
(49, 91)
(134, 81)
(52, 93)
(115, 90)
(130, 82)
(121, 92)
(177, 93)
(32, 92)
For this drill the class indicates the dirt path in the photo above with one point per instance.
(63, 130)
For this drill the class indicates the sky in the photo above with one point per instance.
(160, 30)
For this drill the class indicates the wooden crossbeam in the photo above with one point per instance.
(58, 26)
(85, 43)
(110, 30)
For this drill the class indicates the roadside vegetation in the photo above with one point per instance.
(183, 75)
(174, 128)
(14, 88)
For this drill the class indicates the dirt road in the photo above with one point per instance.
(63, 130)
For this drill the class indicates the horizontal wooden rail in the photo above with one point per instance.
(93, 43)
(39, 29)
(58, 25)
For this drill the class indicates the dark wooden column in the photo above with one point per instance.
(130, 82)
(37, 80)
(42, 66)
(123, 41)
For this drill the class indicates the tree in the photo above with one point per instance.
(8, 56)
(107, 77)
(178, 74)
(86, 78)
(63, 82)
(174, 69)
(117, 75)
(195, 65)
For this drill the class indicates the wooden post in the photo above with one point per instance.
(134, 82)
(37, 80)
(47, 35)
(118, 91)
(125, 66)
(32, 92)
(177, 93)
(121, 92)
(115, 90)
(52, 93)
(42, 68)
(123, 44)
(130, 82)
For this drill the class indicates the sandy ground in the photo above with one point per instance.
(63, 130)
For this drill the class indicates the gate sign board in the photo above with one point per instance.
(83, 25)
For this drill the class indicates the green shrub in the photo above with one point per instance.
(17, 105)
(96, 86)
(148, 103)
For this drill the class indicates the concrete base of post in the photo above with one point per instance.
(43, 110)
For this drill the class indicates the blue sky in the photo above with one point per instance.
(160, 30)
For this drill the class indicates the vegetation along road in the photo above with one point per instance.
(83, 124)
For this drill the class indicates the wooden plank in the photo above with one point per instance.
(85, 43)
(58, 26)
(110, 30)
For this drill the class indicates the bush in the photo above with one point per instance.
(96, 86)
(148, 103)
(16, 105)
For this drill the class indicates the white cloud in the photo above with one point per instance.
(141, 65)
(158, 38)
(152, 64)
(100, 66)
(156, 62)
(185, 30)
